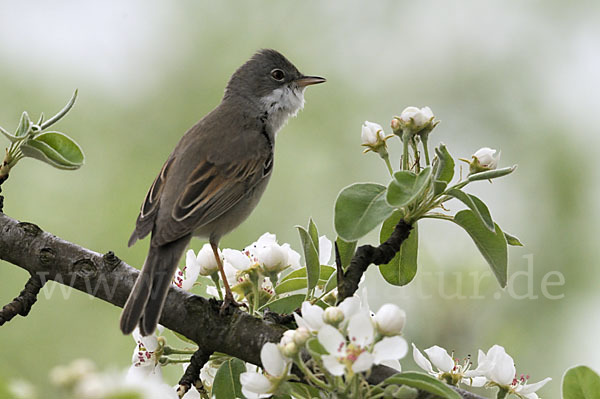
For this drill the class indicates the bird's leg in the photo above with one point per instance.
(228, 301)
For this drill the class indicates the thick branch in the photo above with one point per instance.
(108, 278)
(366, 255)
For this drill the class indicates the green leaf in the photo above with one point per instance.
(56, 149)
(406, 187)
(326, 271)
(444, 170)
(60, 113)
(311, 255)
(303, 390)
(331, 283)
(512, 240)
(439, 187)
(476, 205)
(492, 174)
(314, 233)
(24, 125)
(359, 208)
(423, 382)
(8, 135)
(285, 305)
(315, 348)
(346, 250)
(403, 267)
(227, 381)
(293, 284)
(581, 382)
(492, 246)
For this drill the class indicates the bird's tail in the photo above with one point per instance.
(147, 298)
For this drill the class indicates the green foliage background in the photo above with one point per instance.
(510, 75)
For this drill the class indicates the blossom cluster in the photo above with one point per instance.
(252, 272)
(495, 368)
(344, 341)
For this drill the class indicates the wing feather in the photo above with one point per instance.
(210, 191)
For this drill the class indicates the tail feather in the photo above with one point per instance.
(147, 298)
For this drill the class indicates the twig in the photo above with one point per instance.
(192, 373)
(23, 303)
(366, 255)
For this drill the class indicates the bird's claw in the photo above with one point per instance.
(229, 303)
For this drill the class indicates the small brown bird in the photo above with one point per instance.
(214, 178)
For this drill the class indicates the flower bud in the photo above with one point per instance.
(207, 261)
(414, 120)
(484, 159)
(273, 258)
(333, 315)
(288, 336)
(372, 134)
(389, 320)
(289, 350)
(301, 335)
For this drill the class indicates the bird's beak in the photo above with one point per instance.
(309, 80)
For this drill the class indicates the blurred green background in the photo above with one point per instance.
(516, 76)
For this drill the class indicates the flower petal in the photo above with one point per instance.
(530, 388)
(332, 340)
(237, 259)
(395, 364)
(272, 360)
(363, 362)
(333, 365)
(504, 370)
(475, 381)
(350, 306)
(440, 358)
(293, 257)
(313, 316)
(421, 360)
(390, 348)
(360, 330)
(255, 384)
(325, 247)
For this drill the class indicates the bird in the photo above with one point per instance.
(213, 179)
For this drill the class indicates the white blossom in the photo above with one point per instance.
(447, 367)
(207, 261)
(499, 368)
(186, 278)
(390, 319)
(487, 158)
(312, 317)
(357, 354)
(416, 119)
(145, 356)
(372, 134)
(257, 385)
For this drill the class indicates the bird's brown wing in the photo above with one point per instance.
(209, 192)
(145, 220)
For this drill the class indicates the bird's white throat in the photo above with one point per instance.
(281, 104)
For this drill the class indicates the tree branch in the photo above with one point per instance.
(108, 278)
(366, 255)
(23, 303)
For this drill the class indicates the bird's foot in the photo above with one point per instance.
(229, 304)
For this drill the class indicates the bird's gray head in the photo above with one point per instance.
(272, 84)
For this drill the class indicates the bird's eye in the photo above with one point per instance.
(277, 74)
